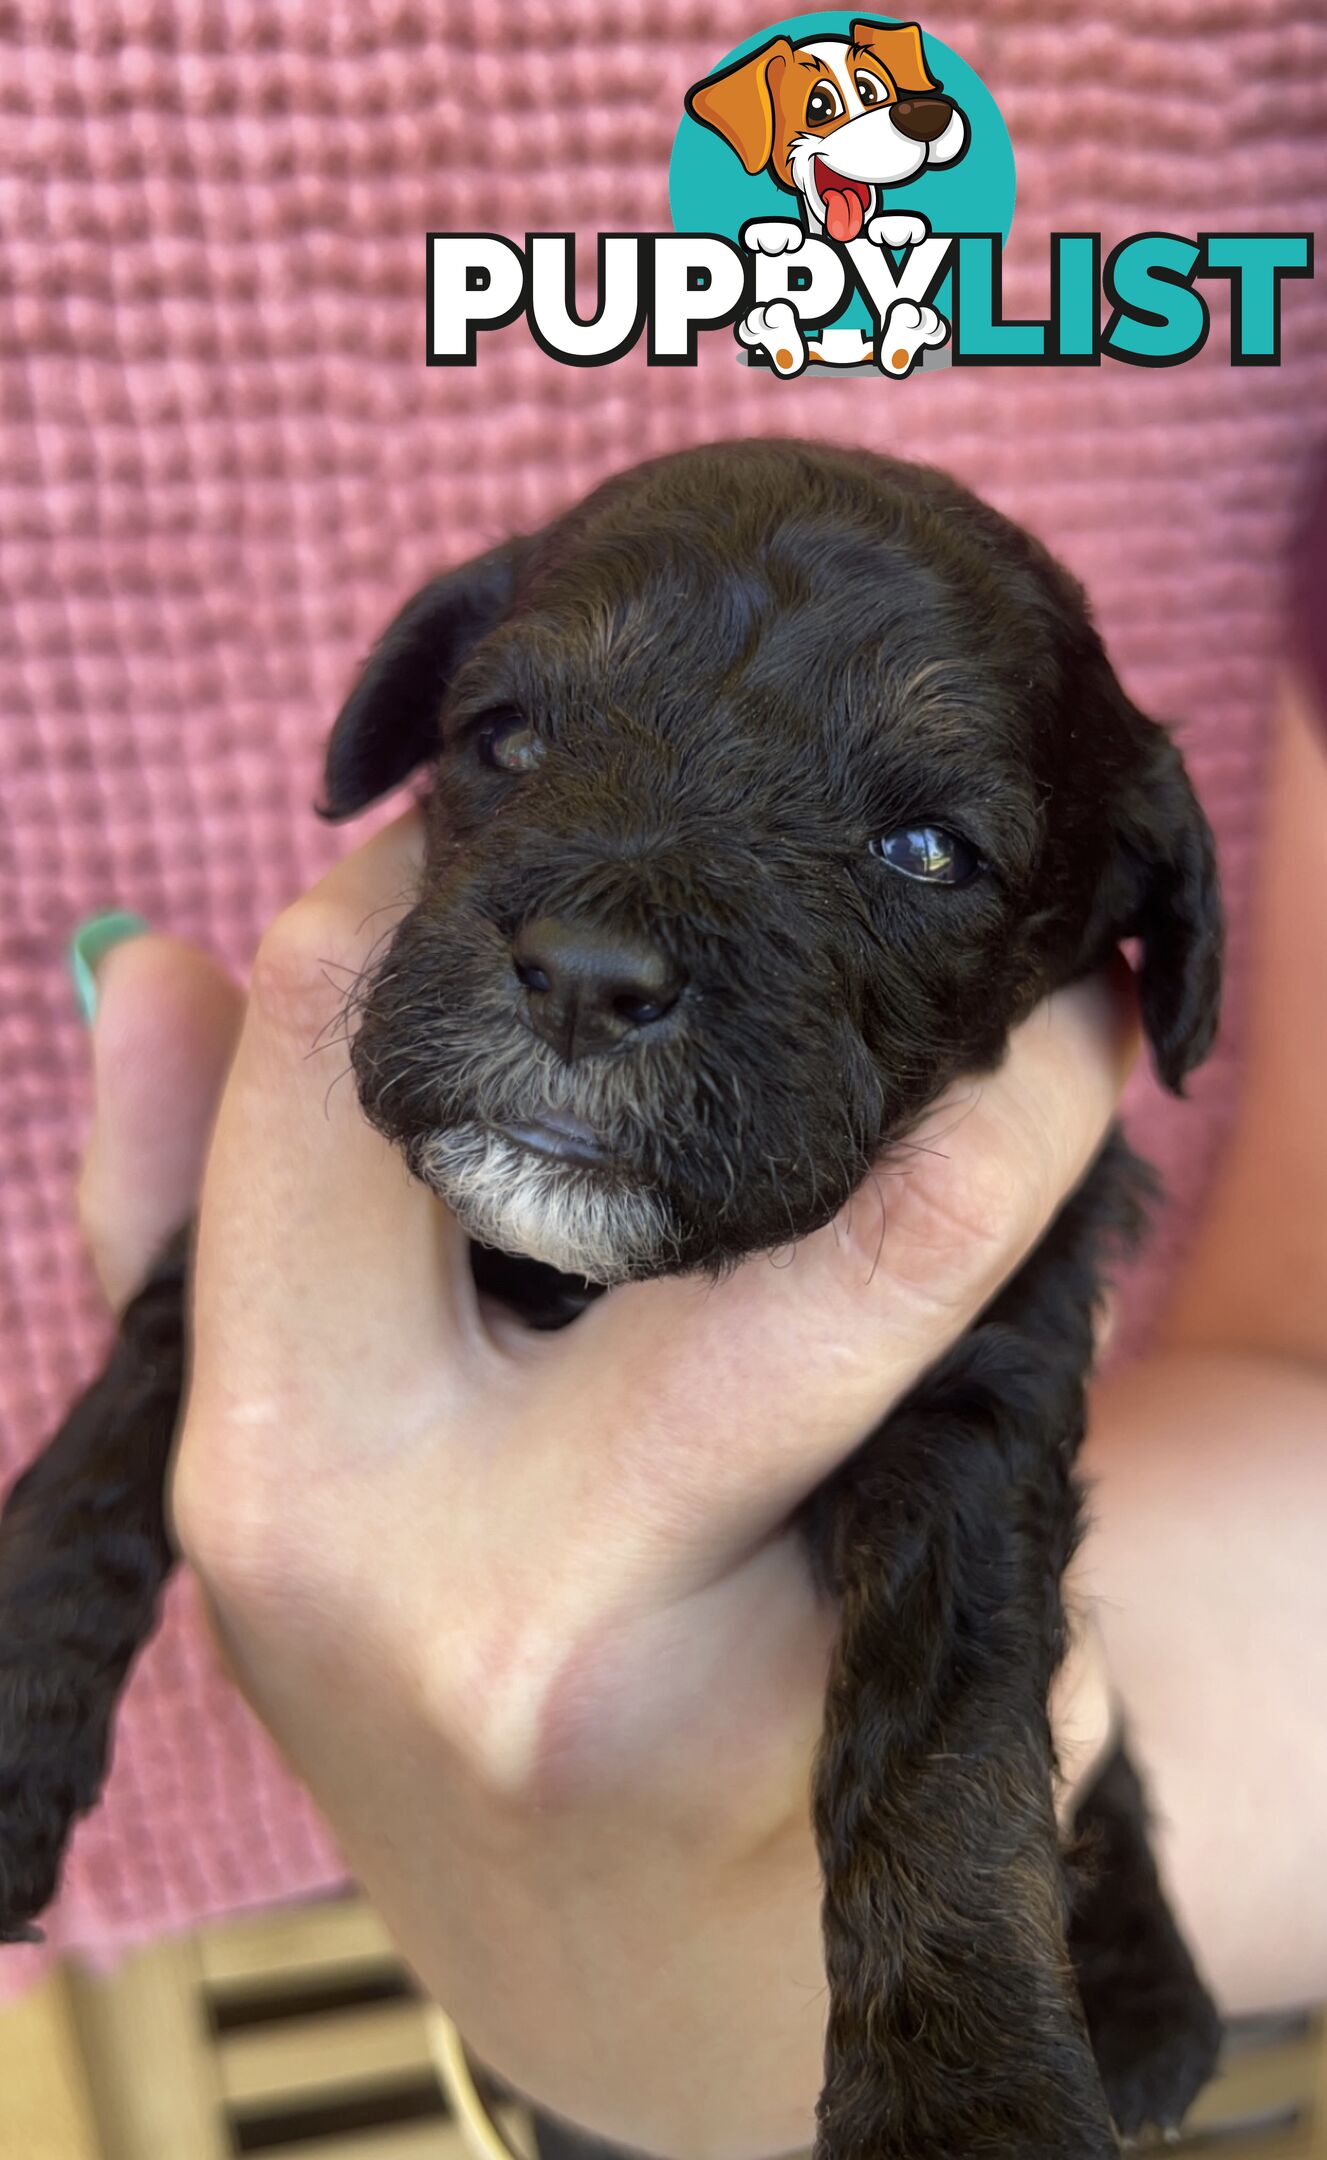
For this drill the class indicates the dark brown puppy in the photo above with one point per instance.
(772, 787)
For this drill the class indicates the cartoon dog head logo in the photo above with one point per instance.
(835, 120)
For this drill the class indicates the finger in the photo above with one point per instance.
(1084, 1719)
(300, 1190)
(167, 1020)
(729, 1403)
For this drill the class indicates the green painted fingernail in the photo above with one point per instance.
(89, 946)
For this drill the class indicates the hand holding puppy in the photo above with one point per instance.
(525, 1611)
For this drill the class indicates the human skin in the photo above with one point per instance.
(532, 1630)
(525, 1611)
(1211, 1464)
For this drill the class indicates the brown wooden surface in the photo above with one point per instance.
(45, 2106)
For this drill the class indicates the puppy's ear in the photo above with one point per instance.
(899, 49)
(389, 723)
(738, 103)
(1169, 861)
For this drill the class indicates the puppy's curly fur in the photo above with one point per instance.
(739, 669)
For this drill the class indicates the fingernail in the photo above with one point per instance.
(89, 946)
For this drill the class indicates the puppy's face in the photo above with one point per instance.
(770, 788)
(836, 119)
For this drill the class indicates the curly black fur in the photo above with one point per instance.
(945, 1539)
(1155, 2034)
(745, 664)
(83, 1556)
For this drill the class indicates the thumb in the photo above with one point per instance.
(167, 1019)
(746, 1394)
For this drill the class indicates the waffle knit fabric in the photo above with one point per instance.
(225, 462)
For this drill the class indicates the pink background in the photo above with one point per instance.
(225, 462)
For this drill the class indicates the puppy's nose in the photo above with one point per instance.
(587, 989)
(921, 119)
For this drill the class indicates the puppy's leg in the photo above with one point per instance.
(1154, 2028)
(955, 2027)
(83, 1556)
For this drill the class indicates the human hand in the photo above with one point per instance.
(525, 1611)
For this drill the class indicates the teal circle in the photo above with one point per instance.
(710, 191)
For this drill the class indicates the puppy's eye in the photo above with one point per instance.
(929, 853)
(823, 104)
(870, 89)
(510, 745)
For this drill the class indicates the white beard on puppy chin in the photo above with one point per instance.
(506, 1196)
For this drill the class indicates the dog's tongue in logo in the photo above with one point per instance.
(844, 200)
(843, 215)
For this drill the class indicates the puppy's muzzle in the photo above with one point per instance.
(590, 990)
(922, 119)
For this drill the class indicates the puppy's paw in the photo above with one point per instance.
(34, 1832)
(772, 236)
(774, 329)
(1155, 2051)
(53, 1747)
(897, 229)
(1154, 2028)
(31, 1856)
(908, 329)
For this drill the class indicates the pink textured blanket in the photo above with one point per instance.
(226, 461)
